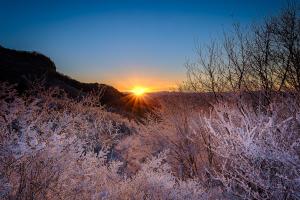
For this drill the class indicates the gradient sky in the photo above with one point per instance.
(123, 43)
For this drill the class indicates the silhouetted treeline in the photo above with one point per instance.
(263, 57)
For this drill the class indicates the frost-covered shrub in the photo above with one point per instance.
(235, 150)
(188, 151)
(53, 147)
(43, 133)
(154, 181)
(258, 152)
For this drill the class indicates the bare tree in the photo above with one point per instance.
(263, 58)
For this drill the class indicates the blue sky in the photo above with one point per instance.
(123, 43)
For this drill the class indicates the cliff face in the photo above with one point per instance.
(15, 65)
(22, 67)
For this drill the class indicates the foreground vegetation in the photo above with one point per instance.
(53, 147)
(237, 138)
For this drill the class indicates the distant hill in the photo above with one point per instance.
(22, 67)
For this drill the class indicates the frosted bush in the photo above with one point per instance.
(155, 181)
(258, 152)
(45, 134)
(235, 151)
(53, 147)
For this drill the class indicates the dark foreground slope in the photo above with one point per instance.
(23, 68)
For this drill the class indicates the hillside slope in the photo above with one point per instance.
(23, 68)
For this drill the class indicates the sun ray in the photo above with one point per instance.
(139, 91)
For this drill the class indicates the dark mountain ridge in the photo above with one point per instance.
(23, 67)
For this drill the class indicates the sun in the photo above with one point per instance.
(139, 91)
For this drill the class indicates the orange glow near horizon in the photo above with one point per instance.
(137, 99)
(139, 91)
(126, 82)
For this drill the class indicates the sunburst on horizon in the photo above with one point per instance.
(139, 91)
